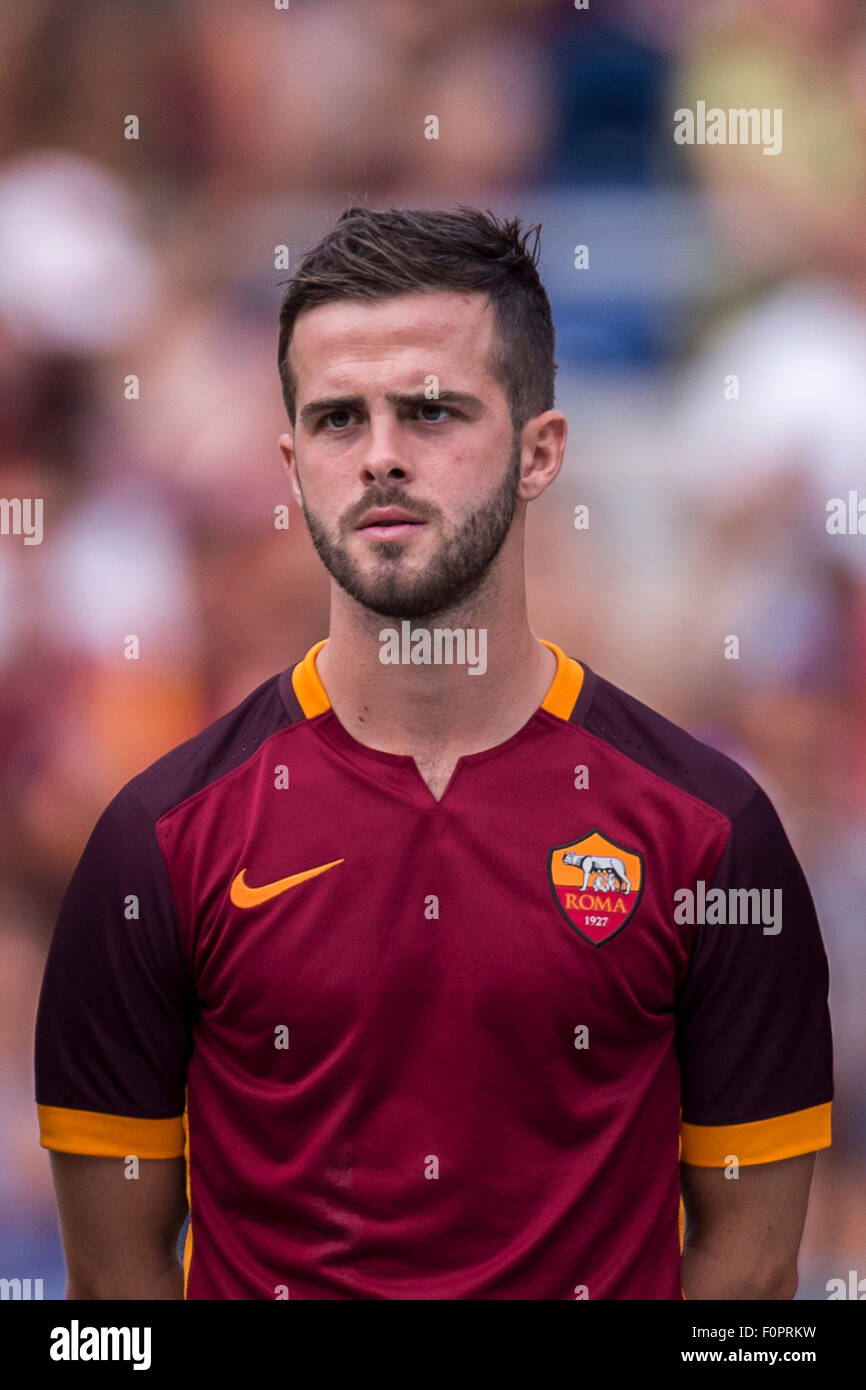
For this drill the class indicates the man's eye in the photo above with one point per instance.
(337, 419)
(434, 406)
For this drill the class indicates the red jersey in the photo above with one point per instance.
(421, 1049)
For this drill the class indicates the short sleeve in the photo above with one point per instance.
(753, 1027)
(116, 1009)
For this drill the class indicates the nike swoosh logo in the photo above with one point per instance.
(242, 895)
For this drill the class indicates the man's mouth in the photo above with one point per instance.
(389, 523)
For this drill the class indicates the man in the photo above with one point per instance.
(340, 969)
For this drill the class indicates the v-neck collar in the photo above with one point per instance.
(561, 698)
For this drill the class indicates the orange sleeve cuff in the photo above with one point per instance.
(762, 1141)
(109, 1136)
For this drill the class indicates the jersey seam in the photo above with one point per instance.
(710, 812)
(224, 776)
(588, 689)
(761, 1119)
(112, 1114)
(161, 826)
(172, 889)
(733, 823)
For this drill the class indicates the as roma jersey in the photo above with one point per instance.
(421, 1049)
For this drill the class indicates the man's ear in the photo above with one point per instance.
(286, 444)
(542, 447)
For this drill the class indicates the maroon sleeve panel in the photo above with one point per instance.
(116, 1008)
(118, 1003)
(753, 1026)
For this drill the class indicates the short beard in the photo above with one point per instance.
(452, 575)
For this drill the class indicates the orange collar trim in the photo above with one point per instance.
(311, 694)
(559, 700)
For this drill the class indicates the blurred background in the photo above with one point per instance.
(707, 500)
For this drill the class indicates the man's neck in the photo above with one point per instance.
(434, 711)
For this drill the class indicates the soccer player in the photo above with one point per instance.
(440, 968)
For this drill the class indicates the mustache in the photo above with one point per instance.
(387, 499)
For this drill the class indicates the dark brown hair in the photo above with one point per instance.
(375, 255)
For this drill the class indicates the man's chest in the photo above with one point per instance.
(495, 915)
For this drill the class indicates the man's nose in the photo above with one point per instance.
(384, 457)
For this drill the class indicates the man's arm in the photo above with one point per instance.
(120, 1234)
(112, 1048)
(743, 1234)
(755, 1050)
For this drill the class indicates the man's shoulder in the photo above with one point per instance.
(218, 749)
(660, 746)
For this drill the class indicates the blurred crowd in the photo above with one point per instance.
(712, 360)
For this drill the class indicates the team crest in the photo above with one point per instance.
(597, 885)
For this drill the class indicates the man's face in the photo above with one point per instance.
(397, 411)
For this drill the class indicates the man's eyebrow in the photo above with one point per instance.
(329, 403)
(442, 397)
(326, 404)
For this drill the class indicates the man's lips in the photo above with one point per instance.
(389, 523)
